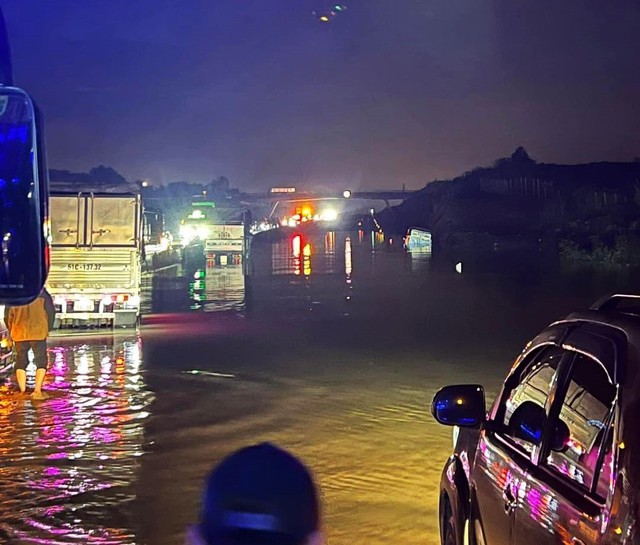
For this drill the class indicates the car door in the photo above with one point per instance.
(504, 452)
(566, 496)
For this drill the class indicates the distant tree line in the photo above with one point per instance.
(588, 212)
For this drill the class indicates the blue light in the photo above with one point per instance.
(533, 434)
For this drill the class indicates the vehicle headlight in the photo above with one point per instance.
(330, 215)
(188, 233)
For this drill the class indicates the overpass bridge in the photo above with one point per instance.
(273, 199)
(377, 194)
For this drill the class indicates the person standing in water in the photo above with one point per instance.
(29, 327)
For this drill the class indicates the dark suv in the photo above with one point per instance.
(556, 459)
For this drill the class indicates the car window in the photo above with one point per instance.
(587, 410)
(524, 403)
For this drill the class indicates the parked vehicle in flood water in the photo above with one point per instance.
(555, 458)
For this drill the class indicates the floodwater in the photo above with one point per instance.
(332, 346)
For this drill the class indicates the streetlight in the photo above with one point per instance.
(346, 194)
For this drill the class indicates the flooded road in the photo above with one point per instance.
(333, 346)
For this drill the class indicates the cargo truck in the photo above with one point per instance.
(95, 271)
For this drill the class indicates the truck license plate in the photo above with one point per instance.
(84, 266)
(83, 306)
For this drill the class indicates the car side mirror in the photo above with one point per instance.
(527, 422)
(460, 405)
(24, 197)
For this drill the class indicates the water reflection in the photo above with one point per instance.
(304, 271)
(420, 261)
(217, 288)
(69, 464)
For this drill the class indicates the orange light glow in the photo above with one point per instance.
(306, 265)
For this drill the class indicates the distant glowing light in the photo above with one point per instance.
(197, 215)
(324, 18)
(307, 250)
(346, 194)
(296, 244)
(329, 215)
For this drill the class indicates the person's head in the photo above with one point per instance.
(259, 495)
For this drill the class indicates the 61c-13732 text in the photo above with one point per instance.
(84, 266)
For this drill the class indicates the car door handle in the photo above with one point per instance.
(510, 502)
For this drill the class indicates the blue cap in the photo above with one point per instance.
(259, 495)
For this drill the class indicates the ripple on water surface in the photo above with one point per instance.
(69, 463)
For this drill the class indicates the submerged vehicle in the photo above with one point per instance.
(418, 240)
(555, 459)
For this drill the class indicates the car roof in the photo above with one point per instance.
(622, 313)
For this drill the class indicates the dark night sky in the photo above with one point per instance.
(390, 92)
